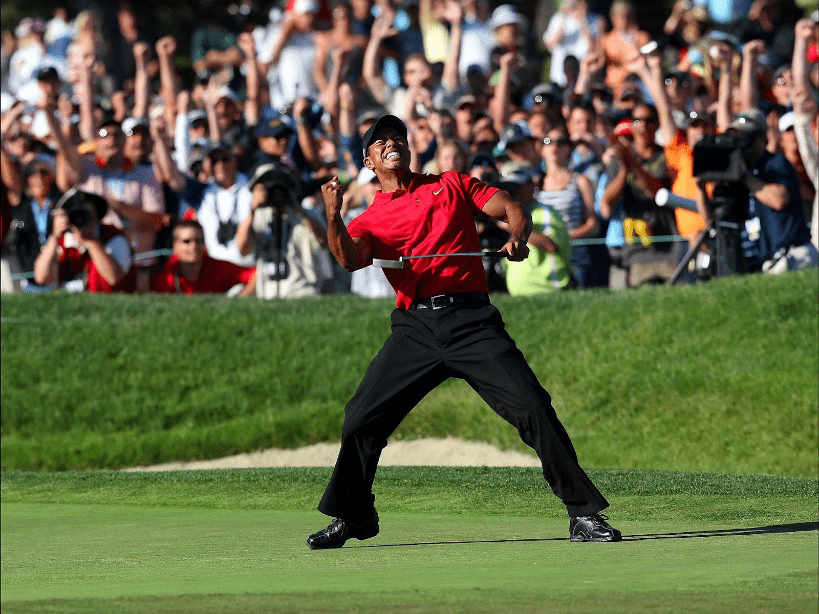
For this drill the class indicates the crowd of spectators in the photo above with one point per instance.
(119, 173)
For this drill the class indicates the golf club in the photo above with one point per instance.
(399, 264)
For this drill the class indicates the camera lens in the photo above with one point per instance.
(79, 217)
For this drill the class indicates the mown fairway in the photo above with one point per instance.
(453, 540)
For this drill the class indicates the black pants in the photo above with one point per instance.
(425, 348)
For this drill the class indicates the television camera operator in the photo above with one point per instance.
(288, 241)
(757, 189)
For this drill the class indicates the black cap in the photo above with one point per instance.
(385, 121)
(75, 197)
(47, 73)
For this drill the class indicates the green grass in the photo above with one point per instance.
(718, 377)
(453, 540)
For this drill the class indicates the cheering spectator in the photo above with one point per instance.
(190, 270)
(572, 31)
(625, 37)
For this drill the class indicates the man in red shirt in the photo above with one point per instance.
(444, 326)
(190, 270)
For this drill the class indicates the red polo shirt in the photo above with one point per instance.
(215, 277)
(436, 215)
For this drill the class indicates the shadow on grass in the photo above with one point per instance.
(776, 528)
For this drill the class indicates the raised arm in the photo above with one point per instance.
(168, 79)
(10, 171)
(142, 88)
(499, 105)
(252, 79)
(454, 14)
(352, 253)
(748, 88)
(371, 68)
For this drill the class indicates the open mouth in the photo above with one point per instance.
(393, 155)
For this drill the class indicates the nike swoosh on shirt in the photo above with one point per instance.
(438, 191)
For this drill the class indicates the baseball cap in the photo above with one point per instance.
(274, 126)
(199, 149)
(786, 121)
(197, 115)
(466, 99)
(132, 123)
(504, 15)
(481, 159)
(515, 173)
(623, 128)
(546, 93)
(513, 133)
(217, 147)
(47, 73)
(694, 116)
(749, 121)
(385, 121)
(41, 159)
(226, 92)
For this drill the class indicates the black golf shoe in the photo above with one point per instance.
(339, 531)
(592, 528)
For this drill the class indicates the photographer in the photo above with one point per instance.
(80, 248)
(290, 260)
(778, 238)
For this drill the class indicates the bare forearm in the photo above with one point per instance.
(773, 195)
(109, 268)
(343, 247)
(45, 266)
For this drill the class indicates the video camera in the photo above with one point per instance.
(280, 184)
(718, 157)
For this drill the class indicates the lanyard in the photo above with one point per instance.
(41, 218)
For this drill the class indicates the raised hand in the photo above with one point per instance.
(166, 46)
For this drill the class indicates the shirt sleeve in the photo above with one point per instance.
(475, 190)
(119, 249)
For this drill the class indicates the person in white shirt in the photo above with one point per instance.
(224, 206)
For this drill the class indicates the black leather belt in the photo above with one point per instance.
(448, 300)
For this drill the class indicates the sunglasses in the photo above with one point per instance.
(40, 171)
(104, 132)
(644, 120)
(560, 141)
(197, 240)
(671, 80)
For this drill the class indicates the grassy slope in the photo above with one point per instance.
(453, 540)
(716, 377)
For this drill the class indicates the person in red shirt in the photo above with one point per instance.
(444, 326)
(79, 247)
(190, 270)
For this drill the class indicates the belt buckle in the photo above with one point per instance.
(443, 298)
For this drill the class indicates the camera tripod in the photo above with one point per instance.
(726, 250)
